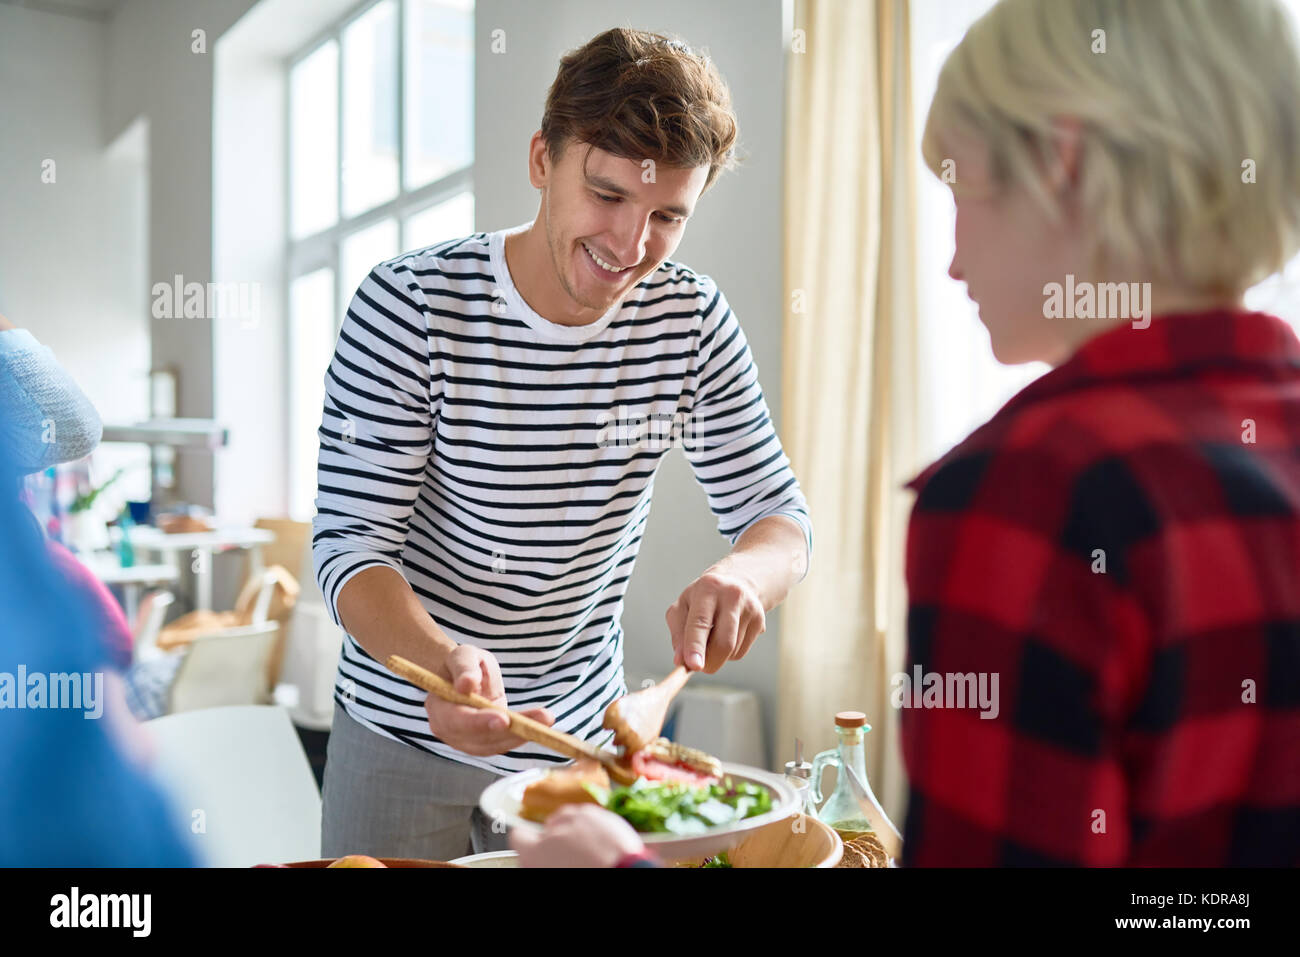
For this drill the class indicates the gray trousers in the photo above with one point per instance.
(388, 799)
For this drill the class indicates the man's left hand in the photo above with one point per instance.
(715, 620)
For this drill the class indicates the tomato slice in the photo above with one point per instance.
(653, 769)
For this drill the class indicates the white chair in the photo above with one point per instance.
(240, 785)
(311, 657)
(256, 595)
(226, 667)
(148, 624)
(310, 664)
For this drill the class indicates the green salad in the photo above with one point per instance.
(670, 807)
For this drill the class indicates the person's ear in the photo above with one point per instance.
(539, 161)
(1067, 134)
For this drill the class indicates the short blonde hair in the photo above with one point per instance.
(1185, 93)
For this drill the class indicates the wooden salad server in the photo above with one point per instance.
(636, 719)
(520, 724)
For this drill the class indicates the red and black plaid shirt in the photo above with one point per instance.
(1120, 545)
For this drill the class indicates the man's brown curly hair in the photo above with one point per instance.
(640, 96)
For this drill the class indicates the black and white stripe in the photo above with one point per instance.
(461, 444)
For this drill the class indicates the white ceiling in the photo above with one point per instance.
(89, 9)
(95, 6)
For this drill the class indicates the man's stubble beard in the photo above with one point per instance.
(555, 260)
(559, 268)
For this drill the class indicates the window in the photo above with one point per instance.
(1280, 293)
(311, 331)
(380, 160)
(961, 383)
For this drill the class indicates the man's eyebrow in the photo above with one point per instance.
(610, 186)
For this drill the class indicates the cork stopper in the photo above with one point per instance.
(850, 719)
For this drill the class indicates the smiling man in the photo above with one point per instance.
(476, 513)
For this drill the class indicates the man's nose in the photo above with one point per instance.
(953, 269)
(632, 238)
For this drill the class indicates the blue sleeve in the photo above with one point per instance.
(71, 797)
(45, 418)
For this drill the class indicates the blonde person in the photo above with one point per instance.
(1120, 544)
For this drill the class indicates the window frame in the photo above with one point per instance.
(324, 248)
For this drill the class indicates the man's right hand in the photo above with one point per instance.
(471, 670)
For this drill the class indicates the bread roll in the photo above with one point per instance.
(564, 786)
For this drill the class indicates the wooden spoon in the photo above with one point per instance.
(520, 724)
(636, 719)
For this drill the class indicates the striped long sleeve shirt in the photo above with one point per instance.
(504, 465)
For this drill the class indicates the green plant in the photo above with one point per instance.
(86, 499)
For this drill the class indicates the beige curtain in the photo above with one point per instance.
(850, 378)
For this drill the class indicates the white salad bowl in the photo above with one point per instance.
(502, 800)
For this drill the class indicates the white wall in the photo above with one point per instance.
(72, 252)
(250, 363)
(735, 237)
(153, 72)
(125, 108)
